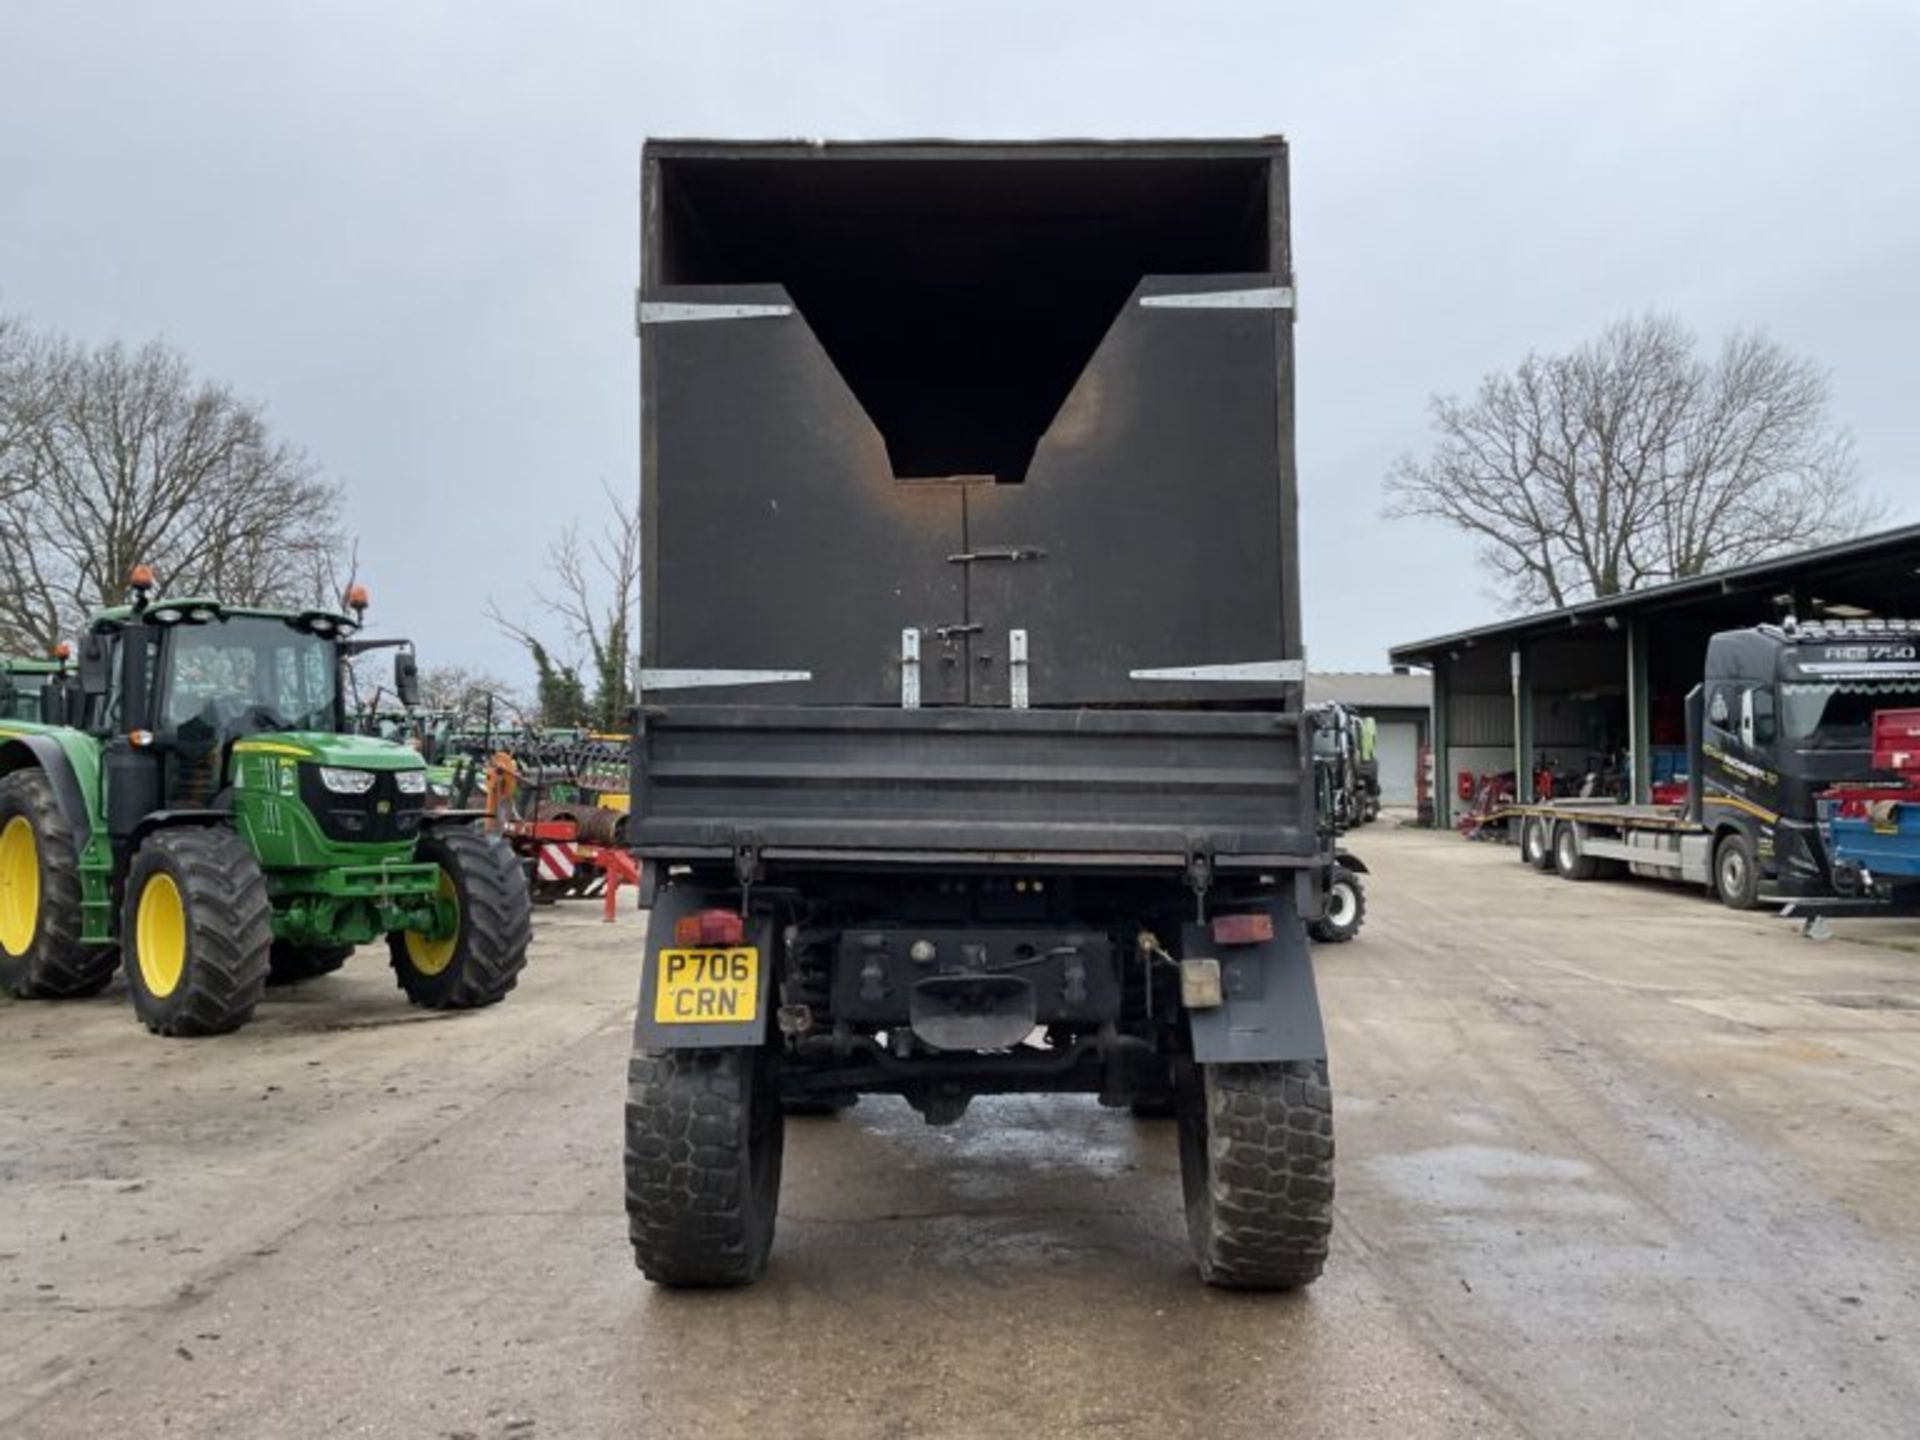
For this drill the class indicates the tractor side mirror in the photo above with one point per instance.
(96, 662)
(406, 678)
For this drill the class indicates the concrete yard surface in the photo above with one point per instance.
(1612, 1161)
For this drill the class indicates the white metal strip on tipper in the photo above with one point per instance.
(700, 679)
(1017, 666)
(910, 669)
(1250, 671)
(666, 312)
(1272, 297)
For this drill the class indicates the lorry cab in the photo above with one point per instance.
(1787, 713)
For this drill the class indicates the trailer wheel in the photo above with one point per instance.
(41, 954)
(1256, 1166)
(1736, 872)
(1536, 851)
(196, 932)
(1567, 856)
(1346, 909)
(704, 1139)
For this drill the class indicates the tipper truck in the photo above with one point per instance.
(1785, 715)
(970, 755)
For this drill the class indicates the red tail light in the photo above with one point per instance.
(710, 927)
(1255, 929)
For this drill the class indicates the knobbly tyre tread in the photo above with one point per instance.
(57, 965)
(496, 924)
(229, 931)
(1256, 1164)
(1323, 930)
(290, 964)
(699, 1210)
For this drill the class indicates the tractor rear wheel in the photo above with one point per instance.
(195, 932)
(290, 964)
(41, 954)
(1256, 1166)
(482, 959)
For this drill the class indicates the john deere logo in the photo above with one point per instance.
(383, 807)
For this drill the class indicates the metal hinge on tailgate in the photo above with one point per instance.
(1199, 873)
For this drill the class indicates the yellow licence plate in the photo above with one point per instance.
(708, 987)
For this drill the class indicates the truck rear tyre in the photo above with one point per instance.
(1256, 1166)
(482, 960)
(195, 932)
(1568, 858)
(290, 964)
(705, 1134)
(41, 954)
(1346, 909)
(1736, 872)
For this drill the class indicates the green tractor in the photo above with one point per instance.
(206, 822)
(32, 689)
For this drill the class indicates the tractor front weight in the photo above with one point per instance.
(357, 904)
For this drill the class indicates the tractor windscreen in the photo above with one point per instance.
(249, 674)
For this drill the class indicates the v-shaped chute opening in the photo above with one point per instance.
(960, 301)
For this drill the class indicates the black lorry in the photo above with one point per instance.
(1784, 713)
(970, 755)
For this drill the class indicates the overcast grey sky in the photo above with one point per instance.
(411, 228)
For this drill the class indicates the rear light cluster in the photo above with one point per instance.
(710, 928)
(1254, 929)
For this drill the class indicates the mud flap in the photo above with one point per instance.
(1271, 1008)
(673, 902)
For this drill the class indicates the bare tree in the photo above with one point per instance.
(112, 457)
(464, 694)
(1632, 461)
(593, 591)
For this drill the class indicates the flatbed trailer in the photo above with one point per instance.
(1584, 839)
(1781, 727)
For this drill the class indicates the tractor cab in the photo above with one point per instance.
(33, 690)
(182, 691)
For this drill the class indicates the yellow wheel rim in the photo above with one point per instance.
(160, 935)
(430, 956)
(19, 886)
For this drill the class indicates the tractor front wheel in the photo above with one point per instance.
(41, 955)
(195, 932)
(481, 960)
